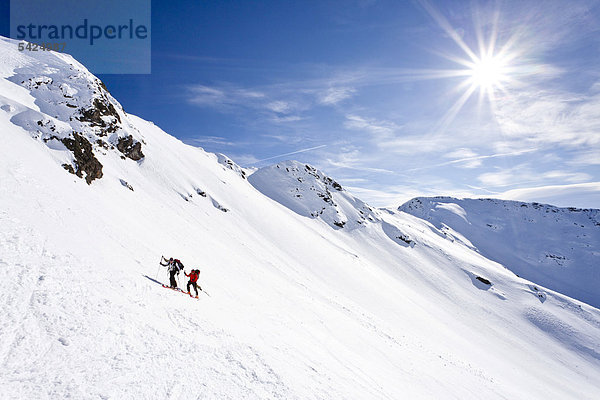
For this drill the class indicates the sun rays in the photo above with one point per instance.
(486, 68)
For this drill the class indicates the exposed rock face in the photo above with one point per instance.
(85, 161)
(101, 114)
(130, 148)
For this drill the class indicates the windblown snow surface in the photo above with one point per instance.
(382, 307)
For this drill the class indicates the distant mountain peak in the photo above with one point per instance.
(555, 247)
(311, 193)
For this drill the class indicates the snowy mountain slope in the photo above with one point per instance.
(554, 247)
(297, 310)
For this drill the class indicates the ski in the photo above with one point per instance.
(180, 291)
(174, 289)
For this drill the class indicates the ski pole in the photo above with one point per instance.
(157, 271)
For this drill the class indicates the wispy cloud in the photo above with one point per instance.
(335, 95)
(216, 140)
(204, 95)
(572, 177)
(285, 119)
(380, 129)
(350, 158)
(356, 167)
(279, 106)
(520, 174)
(290, 153)
(523, 174)
(224, 97)
(585, 158)
(461, 153)
(464, 158)
(470, 159)
(243, 159)
(553, 117)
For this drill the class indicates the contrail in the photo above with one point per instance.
(293, 152)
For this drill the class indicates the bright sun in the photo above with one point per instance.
(488, 73)
(492, 67)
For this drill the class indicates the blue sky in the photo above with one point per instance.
(387, 97)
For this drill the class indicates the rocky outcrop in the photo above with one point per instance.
(75, 109)
(84, 159)
(130, 147)
(94, 115)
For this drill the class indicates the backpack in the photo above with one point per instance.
(178, 264)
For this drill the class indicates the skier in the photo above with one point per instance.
(173, 267)
(193, 281)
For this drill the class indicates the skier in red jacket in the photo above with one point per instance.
(193, 281)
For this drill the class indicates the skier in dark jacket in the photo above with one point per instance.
(193, 281)
(173, 267)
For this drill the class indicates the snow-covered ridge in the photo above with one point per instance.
(310, 193)
(552, 246)
(72, 112)
(230, 164)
